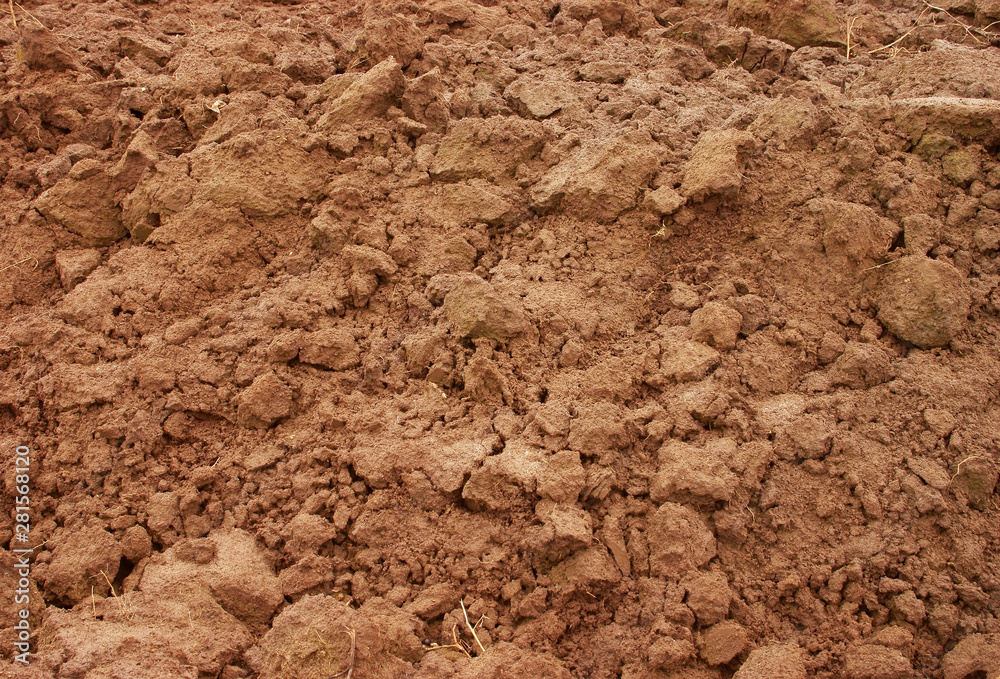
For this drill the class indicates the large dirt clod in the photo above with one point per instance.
(370, 96)
(83, 203)
(923, 301)
(716, 165)
(599, 181)
(799, 23)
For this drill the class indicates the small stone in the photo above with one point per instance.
(807, 22)
(806, 437)
(468, 204)
(908, 607)
(306, 533)
(610, 15)
(923, 301)
(667, 653)
(52, 171)
(395, 36)
(931, 471)
(238, 576)
(310, 573)
(870, 331)
(684, 296)
(987, 238)
(592, 567)
(600, 180)
(976, 480)
(42, 49)
(991, 199)
(604, 72)
(539, 99)
(776, 661)
(434, 601)
(182, 331)
(723, 642)
(861, 366)
(961, 167)
(976, 654)
(198, 550)
(664, 201)
(679, 541)
(708, 596)
(74, 266)
(717, 324)
(284, 347)
(136, 544)
(688, 361)
(893, 636)
(552, 418)
(941, 422)
(876, 662)
(754, 311)
(852, 233)
(264, 402)
(333, 349)
(78, 152)
(830, 347)
(562, 477)
(140, 155)
(974, 119)
(565, 529)
(490, 148)
(687, 473)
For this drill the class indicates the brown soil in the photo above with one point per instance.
(440, 338)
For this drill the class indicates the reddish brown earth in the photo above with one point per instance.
(641, 338)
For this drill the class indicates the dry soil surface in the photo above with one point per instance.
(441, 338)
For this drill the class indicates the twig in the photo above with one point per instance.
(471, 628)
(893, 43)
(902, 37)
(971, 31)
(33, 17)
(13, 16)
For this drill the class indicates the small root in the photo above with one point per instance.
(958, 469)
(456, 644)
(349, 670)
(124, 608)
(472, 629)
(18, 263)
(850, 31)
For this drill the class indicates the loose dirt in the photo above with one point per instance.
(593, 338)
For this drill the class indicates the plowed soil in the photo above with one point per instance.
(452, 338)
